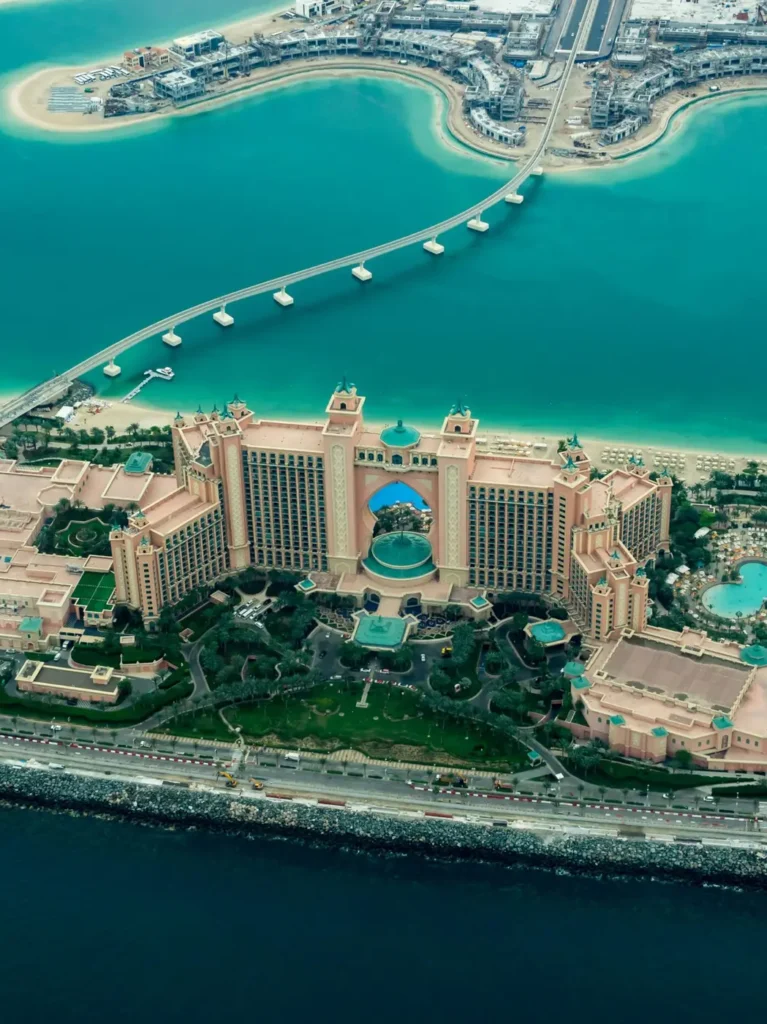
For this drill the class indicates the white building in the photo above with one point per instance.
(199, 43)
(313, 8)
(178, 86)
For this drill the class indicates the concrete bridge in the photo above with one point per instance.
(52, 389)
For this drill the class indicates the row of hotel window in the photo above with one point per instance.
(396, 459)
(272, 459)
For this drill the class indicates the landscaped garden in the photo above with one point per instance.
(84, 538)
(79, 531)
(396, 725)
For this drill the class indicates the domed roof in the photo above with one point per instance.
(400, 436)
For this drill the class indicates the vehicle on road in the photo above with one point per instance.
(423, 657)
(257, 784)
(506, 787)
(291, 757)
(451, 779)
(58, 767)
(231, 782)
(55, 728)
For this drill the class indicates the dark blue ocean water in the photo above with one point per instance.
(107, 921)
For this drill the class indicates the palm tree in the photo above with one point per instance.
(133, 430)
(110, 432)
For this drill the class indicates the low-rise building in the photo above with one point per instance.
(653, 693)
(178, 86)
(198, 43)
(100, 685)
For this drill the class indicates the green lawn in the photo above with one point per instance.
(392, 726)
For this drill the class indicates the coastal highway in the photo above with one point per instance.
(49, 390)
(398, 795)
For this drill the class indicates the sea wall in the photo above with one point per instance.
(227, 812)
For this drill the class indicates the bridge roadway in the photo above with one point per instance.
(51, 389)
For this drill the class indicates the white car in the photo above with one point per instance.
(423, 657)
(55, 728)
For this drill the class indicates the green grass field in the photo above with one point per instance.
(94, 589)
(393, 726)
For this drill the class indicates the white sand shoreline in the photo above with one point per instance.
(120, 415)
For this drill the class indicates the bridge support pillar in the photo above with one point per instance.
(361, 273)
(112, 369)
(222, 318)
(171, 338)
(282, 298)
(515, 197)
(537, 171)
(434, 247)
(477, 224)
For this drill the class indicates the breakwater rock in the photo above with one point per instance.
(231, 812)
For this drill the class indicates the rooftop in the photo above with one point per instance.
(513, 472)
(665, 670)
(139, 462)
(101, 679)
(380, 631)
(547, 632)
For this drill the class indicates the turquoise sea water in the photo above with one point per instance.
(621, 303)
(747, 597)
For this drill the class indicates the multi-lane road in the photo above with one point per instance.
(389, 790)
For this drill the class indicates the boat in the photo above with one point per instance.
(165, 372)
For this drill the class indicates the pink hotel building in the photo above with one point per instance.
(290, 495)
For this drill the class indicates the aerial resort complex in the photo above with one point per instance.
(499, 62)
(423, 595)
(396, 533)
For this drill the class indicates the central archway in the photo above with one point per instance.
(379, 491)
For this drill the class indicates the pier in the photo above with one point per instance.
(472, 218)
(149, 375)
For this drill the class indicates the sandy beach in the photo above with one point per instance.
(120, 415)
(689, 463)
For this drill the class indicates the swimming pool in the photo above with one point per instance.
(727, 599)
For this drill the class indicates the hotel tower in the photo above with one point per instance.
(296, 496)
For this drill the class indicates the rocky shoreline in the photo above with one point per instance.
(170, 805)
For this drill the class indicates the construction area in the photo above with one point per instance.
(638, 60)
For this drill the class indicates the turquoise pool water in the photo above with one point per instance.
(727, 599)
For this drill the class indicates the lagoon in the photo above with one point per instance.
(732, 600)
(643, 271)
